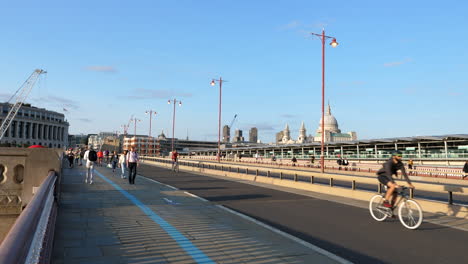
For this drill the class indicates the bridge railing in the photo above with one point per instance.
(31, 237)
(422, 171)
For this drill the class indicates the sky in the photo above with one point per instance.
(400, 68)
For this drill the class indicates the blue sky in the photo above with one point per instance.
(400, 68)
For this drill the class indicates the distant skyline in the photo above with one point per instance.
(399, 70)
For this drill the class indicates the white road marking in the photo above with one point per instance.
(295, 239)
(195, 196)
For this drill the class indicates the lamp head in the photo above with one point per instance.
(212, 83)
(334, 43)
(180, 103)
(168, 101)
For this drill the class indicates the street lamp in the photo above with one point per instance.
(135, 120)
(174, 101)
(213, 83)
(148, 143)
(150, 112)
(333, 44)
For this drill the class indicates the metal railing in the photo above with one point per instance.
(31, 237)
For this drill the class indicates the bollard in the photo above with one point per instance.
(331, 182)
(312, 179)
(230, 168)
(353, 185)
(281, 175)
(379, 188)
(411, 193)
(237, 169)
(256, 172)
(222, 168)
(268, 173)
(247, 171)
(450, 201)
(295, 177)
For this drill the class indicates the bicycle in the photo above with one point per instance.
(175, 166)
(409, 211)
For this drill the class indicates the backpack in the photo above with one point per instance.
(92, 156)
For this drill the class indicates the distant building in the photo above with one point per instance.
(34, 126)
(253, 135)
(226, 134)
(162, 146)
(238, 136)
(77, 141)
(279, 137)
(332, 132)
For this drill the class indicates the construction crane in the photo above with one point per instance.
(228, 139)
(125, 127)
(21, 95)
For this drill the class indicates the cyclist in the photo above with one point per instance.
(390, 168)
(174, 157)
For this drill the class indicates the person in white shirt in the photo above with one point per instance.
(123, 163)
(89, 167)
(132, 163)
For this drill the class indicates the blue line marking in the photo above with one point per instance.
(183, 242)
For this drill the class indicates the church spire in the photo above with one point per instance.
(329, 109)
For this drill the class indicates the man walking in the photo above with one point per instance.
(132, 163)
(90, 156)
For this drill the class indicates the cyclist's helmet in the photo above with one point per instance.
(397, 153)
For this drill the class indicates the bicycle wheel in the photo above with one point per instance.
(410, 214)
(374, 208)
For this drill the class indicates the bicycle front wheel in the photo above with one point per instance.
(410, 214)
(375, 208)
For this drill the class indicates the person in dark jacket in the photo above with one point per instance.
(390, 168)
(465, 170)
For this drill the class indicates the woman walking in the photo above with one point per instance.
(123, 163)
(114, 159)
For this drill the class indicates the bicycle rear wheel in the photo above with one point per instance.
(410, 214)
(375, 205)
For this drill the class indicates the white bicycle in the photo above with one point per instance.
(409, 211)
(175, 166)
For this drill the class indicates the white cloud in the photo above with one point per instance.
(397, 63)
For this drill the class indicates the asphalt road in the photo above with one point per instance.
(347, 231)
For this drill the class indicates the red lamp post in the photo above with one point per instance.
(174, 102)
(213, 82)
(333, 44)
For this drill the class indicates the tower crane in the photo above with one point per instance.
(228, 139)
(125, 127)
(21, 95)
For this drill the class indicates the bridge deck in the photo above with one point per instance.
(111, 221)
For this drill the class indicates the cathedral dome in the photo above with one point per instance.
(330, 123)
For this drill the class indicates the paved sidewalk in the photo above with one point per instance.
(111, 221)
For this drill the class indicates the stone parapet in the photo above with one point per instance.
(21, 172)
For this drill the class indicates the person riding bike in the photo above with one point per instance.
(390, 168)
(174, 157)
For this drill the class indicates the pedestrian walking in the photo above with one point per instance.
(114, 159)
(90, 158)
(70, 157)
(123, 163)
(132, 163)
(82, 152)
(100, 156)
(294, 161)
(410, 166)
